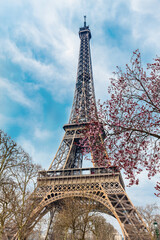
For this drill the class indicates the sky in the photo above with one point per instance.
(39, 47)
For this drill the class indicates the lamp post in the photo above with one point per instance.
(156, 233)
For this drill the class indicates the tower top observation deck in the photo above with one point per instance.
(85, 29)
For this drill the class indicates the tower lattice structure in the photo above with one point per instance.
(66, 178)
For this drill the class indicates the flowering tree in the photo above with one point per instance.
(131, 121)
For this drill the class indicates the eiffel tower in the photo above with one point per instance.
(66, 178)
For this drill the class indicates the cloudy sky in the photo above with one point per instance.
(39, 48)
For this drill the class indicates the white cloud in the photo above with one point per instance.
(4, 121)
(146, 7)
(27, 62)
(14, 92)
(145, 23)
(51, 28)
(42, 134)
(45, 75)
(39, 155)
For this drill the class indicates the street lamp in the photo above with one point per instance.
(156, 230)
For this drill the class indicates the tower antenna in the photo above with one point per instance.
(84, 21)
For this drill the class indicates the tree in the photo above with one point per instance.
(6, 215)
(150, 214)
(101, 229)
(22, 205)
(131, 121)
(11, 156)
(38, 232)
(17, 178)
(73, 220)
(77, 220)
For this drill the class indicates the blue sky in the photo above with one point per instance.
(38, 62)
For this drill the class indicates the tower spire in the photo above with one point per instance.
(84, 21)
(84, 104)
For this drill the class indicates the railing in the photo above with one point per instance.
(78, 171)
